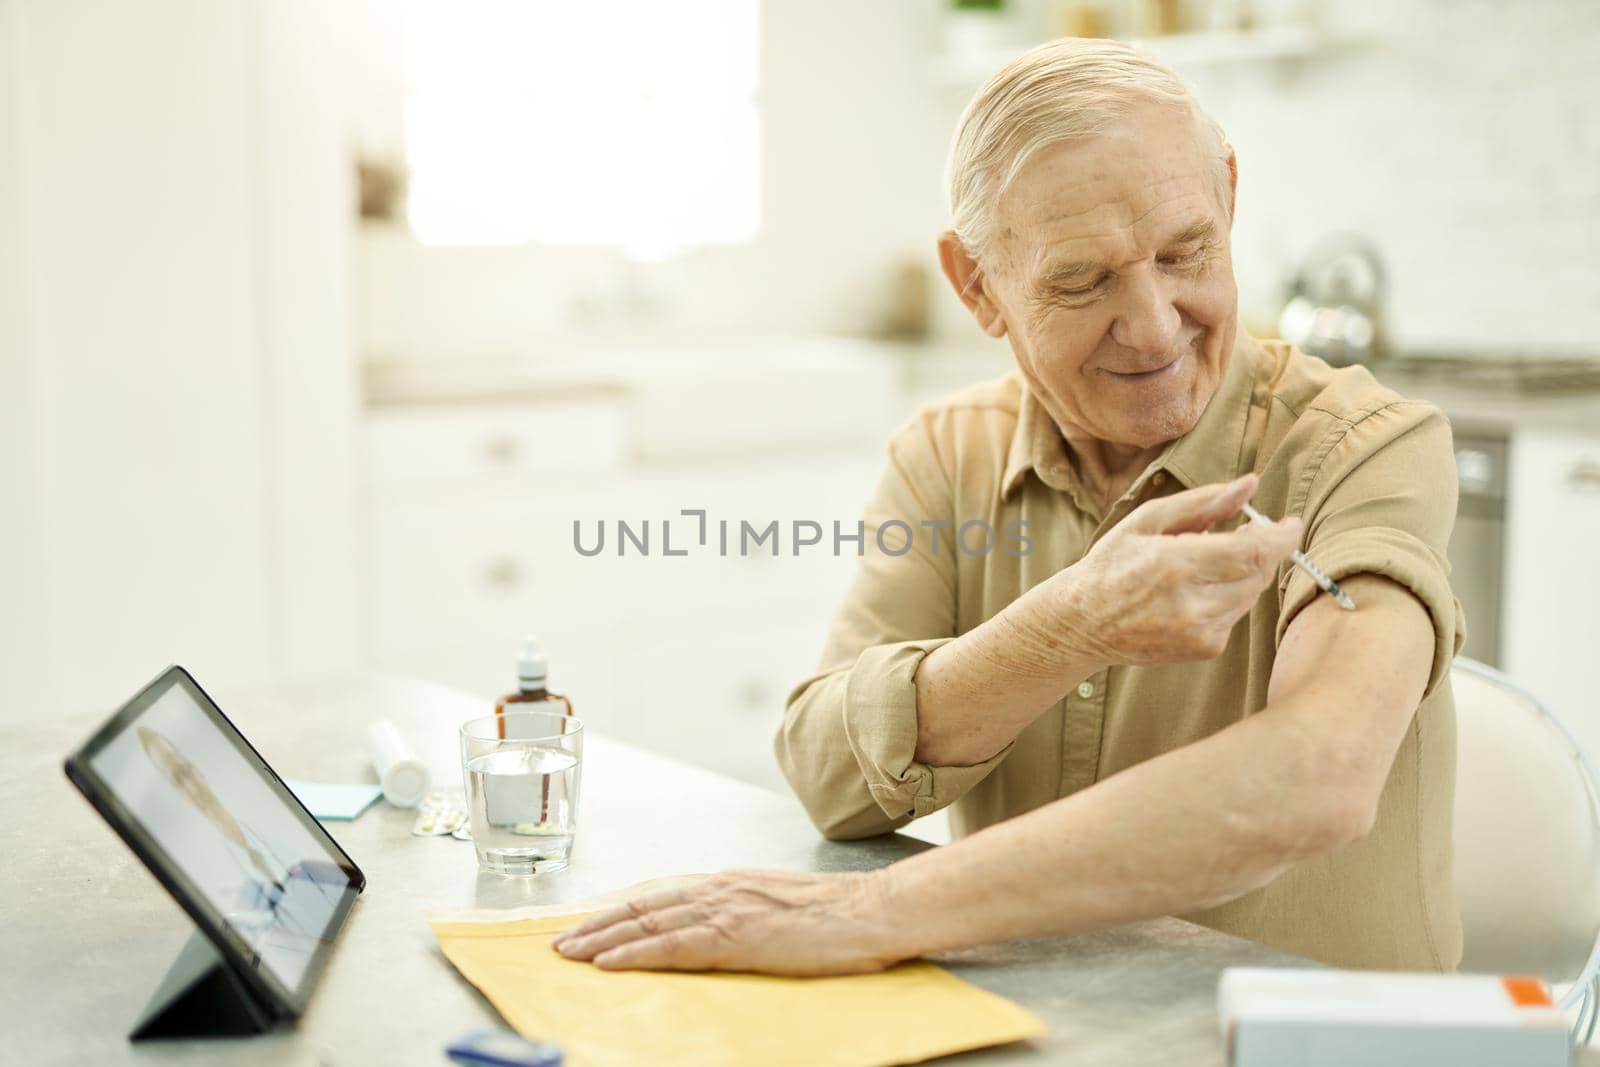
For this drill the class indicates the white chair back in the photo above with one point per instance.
(1527, 836)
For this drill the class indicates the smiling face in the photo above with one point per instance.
(1112, 277)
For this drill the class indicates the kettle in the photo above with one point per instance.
(1335, 306)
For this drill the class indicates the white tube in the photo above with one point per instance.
(404, 778)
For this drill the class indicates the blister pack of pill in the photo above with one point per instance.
(442, 812)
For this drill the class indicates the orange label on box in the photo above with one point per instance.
(1526, 992)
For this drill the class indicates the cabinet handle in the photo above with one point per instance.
(1585, 475)
(1474, 470)
(502, 574)
(502, 448)
(752, 693)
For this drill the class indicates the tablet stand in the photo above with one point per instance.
(201, 996)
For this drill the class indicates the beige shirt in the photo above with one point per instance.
(1373, 476)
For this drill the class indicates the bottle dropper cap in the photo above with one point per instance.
(531, 664)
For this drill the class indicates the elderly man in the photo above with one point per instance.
(1149, 711)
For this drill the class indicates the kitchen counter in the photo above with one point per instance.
(620, 368)
(863, 387)
(664, 401)
(1482, 406)
(88, 934)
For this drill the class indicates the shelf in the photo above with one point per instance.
(1178, 50)
(1224, 47)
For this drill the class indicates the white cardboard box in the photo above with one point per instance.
(1315, 1018)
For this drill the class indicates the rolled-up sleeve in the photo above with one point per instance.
(1380, 498)
(849, 736)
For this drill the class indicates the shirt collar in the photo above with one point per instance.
(1210, 452)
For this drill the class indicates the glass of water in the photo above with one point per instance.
(521, 772)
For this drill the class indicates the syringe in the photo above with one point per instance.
(1326, 584)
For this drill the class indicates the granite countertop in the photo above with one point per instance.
(88, 933)
(1502, 394)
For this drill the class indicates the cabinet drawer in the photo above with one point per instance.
(483, 562)
(505, 556)
(1551, 583)
(709, 690)
(421, 445)
(500, 568)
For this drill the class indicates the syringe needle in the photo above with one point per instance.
(1326, 584)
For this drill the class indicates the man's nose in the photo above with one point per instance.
(1147, 320)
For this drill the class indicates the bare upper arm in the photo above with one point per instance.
(1352, 680)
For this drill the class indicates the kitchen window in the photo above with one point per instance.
(630, 123)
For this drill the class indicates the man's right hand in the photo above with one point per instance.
(1157, 588)
(1160, 588)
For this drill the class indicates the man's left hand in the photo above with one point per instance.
(774, 922)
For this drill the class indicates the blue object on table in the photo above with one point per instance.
(334, 801)
(502, 1048)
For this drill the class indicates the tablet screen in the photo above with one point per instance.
(229, 833)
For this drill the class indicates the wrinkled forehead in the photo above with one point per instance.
(1121, 191)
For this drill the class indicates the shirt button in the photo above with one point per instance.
(1160, 478)
(1086, 689)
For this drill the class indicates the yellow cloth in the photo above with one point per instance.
(911, 1012)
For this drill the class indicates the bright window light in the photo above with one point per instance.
(629, 123)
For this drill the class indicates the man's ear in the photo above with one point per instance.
(1233, 182)
(970, 284)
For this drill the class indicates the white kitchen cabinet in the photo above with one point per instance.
(709, 688)
(423, 447)
(1553, 577)
(471, 546)
(176, 368)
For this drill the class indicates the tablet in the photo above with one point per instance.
(260, 877)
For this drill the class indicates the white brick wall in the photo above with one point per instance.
(1462, 136)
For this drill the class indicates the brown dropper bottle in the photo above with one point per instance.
(532, 670)
(533, 695)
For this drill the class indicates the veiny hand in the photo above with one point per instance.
(775, 922)
(1158, 588)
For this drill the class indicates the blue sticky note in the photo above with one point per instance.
(334, 801)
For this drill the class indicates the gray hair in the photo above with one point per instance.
(1069, 89)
